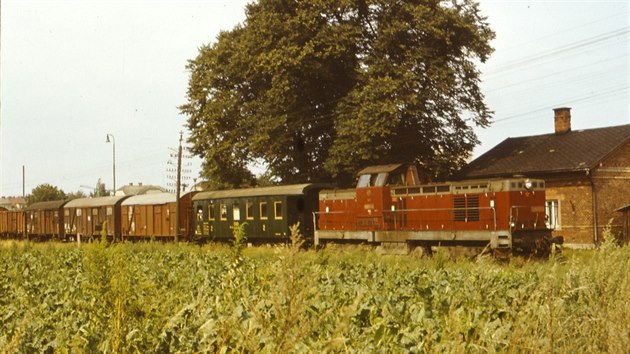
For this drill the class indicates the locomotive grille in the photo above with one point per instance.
(466, 208)
(459, 205)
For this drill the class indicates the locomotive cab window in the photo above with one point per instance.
(381, 178)
(364, 181)
(396, 179)
(374, 180)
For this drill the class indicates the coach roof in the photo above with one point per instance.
(295, 189)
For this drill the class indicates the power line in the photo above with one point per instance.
(532, 59)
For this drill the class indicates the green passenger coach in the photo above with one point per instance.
(268, 212)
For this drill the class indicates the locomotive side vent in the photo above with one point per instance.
(466, 208)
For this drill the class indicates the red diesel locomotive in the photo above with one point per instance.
(391, 208)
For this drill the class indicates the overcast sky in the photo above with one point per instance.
(74, 71)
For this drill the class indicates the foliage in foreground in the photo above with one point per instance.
(169, 298)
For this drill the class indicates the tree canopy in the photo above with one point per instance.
(45, 193)
(314, 90)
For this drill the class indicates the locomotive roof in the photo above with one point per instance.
(295, 189)
(380, 169)
(94, 202)
(151, 199)
(54, 204)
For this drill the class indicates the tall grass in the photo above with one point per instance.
(182, 298)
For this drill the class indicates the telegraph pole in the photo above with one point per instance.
(179, 183)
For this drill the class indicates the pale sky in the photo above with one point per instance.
(74, 71)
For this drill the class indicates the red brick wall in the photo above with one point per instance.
(575, 209)
(611, 180)
(612, 183)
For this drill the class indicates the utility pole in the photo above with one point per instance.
(179, 182)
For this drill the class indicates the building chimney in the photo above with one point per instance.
(562, 118)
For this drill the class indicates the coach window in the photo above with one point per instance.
(236, 212)
(263, 211)
(199, 212)
(249, 210)
(277, 210)
(211, 212)
(223, 215)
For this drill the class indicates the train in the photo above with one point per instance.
(389, 207)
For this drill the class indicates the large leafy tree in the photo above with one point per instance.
(316, 89)
(45, 193)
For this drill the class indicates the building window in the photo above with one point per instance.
(277, 210)
(552, 214)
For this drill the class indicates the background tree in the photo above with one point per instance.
(75, 195)
(99, 190)
(45, 193)
(317, 89)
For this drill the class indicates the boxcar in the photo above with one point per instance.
(12, 223)
(153, 215)
(86, 217)
(268, 211)
(45, 220)
(149, 215)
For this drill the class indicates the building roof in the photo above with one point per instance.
(138, 189)
(550, 153)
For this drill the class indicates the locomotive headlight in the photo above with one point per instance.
(528, 184)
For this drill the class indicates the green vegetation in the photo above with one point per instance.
(182, 298)
(323, 88)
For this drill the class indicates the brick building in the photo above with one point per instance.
(587, 174)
